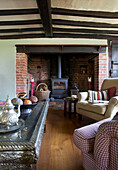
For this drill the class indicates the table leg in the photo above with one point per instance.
(45, 128)
(75, 107)
(69, 109)
(65, 108)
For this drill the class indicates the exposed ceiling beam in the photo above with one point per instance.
(95, 14)
(19, 11)
(20, 30)
(83, 23)
(55, 29)
(61, 11)
(45, 13)
(60, 35)
(82, 30)
(21, 22)
(19, 36)
(61, 22)
(91, 36)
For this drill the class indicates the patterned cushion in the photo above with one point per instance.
(111, 92)
(98, 95)
(101, 95)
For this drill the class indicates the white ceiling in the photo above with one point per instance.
(95, 5)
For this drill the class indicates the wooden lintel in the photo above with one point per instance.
(59, 49)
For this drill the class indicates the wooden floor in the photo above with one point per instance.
(58, 151)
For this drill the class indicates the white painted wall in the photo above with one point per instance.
(8, 59)
(7, 70)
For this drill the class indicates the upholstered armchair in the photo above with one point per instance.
(99, 145)
(103, 106)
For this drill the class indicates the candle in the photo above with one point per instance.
(32, 79)
(32, 82)
(89, 79)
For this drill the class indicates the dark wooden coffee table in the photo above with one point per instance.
(68, 105)
(20, 149)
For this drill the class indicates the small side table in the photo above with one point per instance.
(68, 102)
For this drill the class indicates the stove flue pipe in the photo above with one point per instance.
(59, 66)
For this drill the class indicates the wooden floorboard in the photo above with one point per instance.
(58, 151)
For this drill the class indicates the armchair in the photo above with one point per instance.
(99, 145)
(101, 109)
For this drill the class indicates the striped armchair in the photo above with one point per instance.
(99, 145)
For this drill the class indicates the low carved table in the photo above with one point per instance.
(20, 149)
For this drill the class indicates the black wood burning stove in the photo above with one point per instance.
(59, 85)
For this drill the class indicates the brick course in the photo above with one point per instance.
(22, 75)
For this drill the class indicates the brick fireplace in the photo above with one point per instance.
(94, 65)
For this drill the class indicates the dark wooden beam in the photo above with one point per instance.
(61, 11)
(19, 11)
(23, 22)
(82, 30)
(91, 36)
(45, 13)
(22, 36)
(61, 35)
(93, 14)
(37, 49)
(59, 30)
(20, 30)
(83, 24)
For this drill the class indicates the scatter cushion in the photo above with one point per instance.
(111, 92)
(101, 95)
(98, 95)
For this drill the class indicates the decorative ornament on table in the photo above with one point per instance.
(33, 99)
(22, 95)
(9, 116)
(32, 82)
(17, 101)
(89, 82)
(27, 102)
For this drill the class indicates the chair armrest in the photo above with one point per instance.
(82, 96)
(84, 137)
(112, 107)
(104, 143)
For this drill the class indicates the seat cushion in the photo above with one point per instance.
(98, 107)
